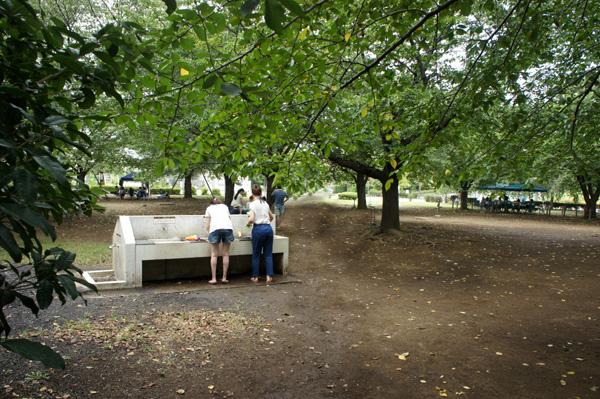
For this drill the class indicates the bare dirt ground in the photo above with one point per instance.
(468, 304)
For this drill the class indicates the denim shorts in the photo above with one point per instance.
(279, 210)
(221, 235)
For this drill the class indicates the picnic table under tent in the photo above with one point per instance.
(131, 177)
(530, 206)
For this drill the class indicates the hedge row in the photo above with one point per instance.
(347, 195)
(433, 198)
(172, 191)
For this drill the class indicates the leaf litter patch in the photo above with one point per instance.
(157, 332)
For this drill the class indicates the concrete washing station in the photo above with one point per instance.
(151, 248)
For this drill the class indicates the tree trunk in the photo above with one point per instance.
(82, 173)
(268, 189)
(390, 212)
(229, 190)
(187, 185)
(361, 193)
(590, 195)
(464, 193)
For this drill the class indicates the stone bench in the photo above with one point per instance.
(150, 248)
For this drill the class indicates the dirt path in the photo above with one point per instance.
(467, 304)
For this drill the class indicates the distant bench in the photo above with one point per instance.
(149, 248)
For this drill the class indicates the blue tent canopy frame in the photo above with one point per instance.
(131, 177)
(513, 187)
(127, 177)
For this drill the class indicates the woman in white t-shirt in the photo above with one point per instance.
(238, 204)
(219, 228)
(262, 233)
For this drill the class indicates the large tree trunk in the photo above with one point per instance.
(464, 193)
(187, 185)
(361, 192)
(390, 212)
(229, 190)
(590, 195)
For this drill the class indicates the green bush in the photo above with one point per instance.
(432, 198)
(216, 192)
(339, 188)
(164, 190)
(204, 191)
(348, 195)
(375, 193)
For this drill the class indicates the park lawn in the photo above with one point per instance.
(88, 253)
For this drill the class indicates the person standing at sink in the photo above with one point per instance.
(262, 233)
(220, 229)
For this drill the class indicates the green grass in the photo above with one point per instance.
(377, 202)
(88, 253)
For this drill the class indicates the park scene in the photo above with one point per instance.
(440, 162)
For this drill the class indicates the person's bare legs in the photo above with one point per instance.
(214, 254)
(225, 262)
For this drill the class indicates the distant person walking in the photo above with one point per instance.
(281, 198)
(219, 228)
(262, 234)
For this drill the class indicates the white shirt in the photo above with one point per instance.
(261, 211)
(219, 217)
(238, 202)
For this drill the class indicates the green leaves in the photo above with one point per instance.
(294, 7)
(52, 166)
(209, 81)
(274, 15)
(248, 7)
(231, 89)
(171, 6)
(34, 351)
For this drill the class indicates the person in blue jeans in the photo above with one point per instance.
(280, 198)
(262, 234)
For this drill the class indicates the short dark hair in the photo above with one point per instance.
(215, 201)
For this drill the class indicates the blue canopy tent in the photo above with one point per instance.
(491, 187)
(131, 177)
(128, 177)
(513, 187)
(525, 187)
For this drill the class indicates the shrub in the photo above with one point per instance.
(348, 195)
(216, 192)
(204, 191)
(339, 188)
(433, 198)
(164, 190)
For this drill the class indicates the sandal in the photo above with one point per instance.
(212, 282)
(269, 279)
(224, 281)
(254, 279)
